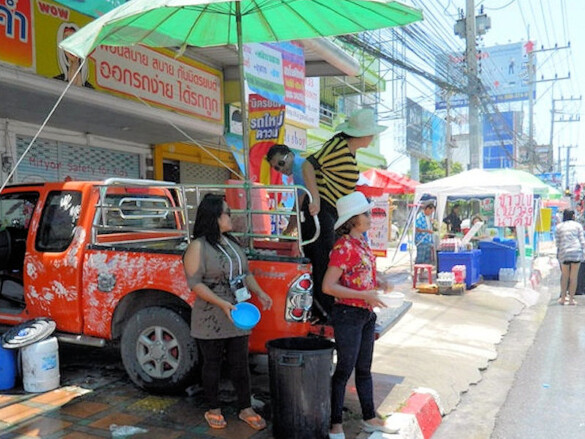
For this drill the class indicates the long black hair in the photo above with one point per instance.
(208, 212)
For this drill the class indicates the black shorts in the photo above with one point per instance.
(571, 262)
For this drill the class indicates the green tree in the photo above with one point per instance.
(431, 170)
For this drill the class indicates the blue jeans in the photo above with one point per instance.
(354, 330)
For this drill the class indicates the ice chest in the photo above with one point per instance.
(447, 260)
(7, 368)
(495, 255)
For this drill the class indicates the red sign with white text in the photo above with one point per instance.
(150, 75)
(16, 38)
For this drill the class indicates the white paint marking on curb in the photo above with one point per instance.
(435, 396)
(405, 422)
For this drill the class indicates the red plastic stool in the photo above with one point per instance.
(422, 267)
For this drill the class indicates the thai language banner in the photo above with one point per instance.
(511, 210)
(276, 71)
(293, 64)
(16, 36)
(263, 71)
(309, 117)
(378, 232)
(150, 75)
(266, 119)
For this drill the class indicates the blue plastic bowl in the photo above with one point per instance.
(246, 315)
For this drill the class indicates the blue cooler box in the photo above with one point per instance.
(447, 260)
(495, 255)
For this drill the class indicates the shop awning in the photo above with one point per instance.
(391, 182)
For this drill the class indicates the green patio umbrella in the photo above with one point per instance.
(204, 23)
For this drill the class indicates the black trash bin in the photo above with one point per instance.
(300, 387)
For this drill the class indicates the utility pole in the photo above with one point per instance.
(468, 28)
(471, 59)
(448, 134)
(568, 165)
(553, 119)
(532, 89)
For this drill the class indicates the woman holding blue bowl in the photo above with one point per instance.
(217, 271)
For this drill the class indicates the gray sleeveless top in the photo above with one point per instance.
(208, 321)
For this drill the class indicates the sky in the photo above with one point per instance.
(547, 23)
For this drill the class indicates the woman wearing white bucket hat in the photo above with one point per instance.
(329, 174)
(352, 280)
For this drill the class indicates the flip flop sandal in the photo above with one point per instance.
(215, 421)
(254, 421)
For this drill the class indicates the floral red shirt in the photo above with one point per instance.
(358, 263)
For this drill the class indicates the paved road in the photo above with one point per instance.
(546, 400)
(534, 389)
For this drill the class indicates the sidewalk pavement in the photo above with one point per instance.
(443, 343)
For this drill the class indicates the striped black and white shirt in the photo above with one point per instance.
(336, 170)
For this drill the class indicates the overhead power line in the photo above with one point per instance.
(378, 53)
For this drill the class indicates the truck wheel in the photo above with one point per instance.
(158, 351)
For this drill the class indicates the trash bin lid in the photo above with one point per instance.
(28, 332)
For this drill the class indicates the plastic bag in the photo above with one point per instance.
(121, 431)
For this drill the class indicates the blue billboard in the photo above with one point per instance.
(425, 132)
(503, 72)
(499, 134)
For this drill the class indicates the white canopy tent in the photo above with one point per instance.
(473, 183)
(481, 183)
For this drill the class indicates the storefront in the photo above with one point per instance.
(105, 124)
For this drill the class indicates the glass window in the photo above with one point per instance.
(16, 209)
(58, 220)
(136, 212)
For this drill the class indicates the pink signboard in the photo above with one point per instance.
(512, 210)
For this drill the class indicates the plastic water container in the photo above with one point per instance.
(445, 279)
(507, 275)
(40, 366)
(459, 272)
(7, 368)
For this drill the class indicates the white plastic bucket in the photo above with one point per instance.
(40, 366)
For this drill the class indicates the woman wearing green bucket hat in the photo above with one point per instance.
(329, 174)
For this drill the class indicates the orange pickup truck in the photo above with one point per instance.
(104, 261)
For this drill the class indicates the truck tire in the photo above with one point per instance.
(158, 351)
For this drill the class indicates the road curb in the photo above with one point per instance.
(419, 418)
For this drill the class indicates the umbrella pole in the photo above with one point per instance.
(245, 127)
